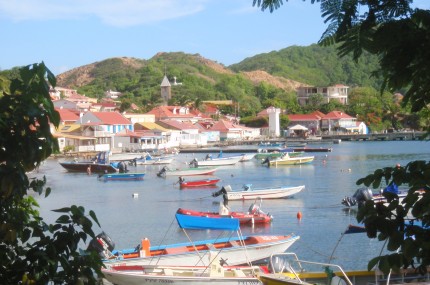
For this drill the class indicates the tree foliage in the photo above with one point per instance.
(400, 38)
(31, 251)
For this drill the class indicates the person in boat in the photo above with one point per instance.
(224, 209)
(180, 180)
(208, 156)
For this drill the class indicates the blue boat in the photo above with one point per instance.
(122, 176)
(207, 223)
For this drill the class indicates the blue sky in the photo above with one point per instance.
(71, 33)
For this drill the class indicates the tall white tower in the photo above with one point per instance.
(274, 122)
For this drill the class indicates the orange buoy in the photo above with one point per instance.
(299, 215)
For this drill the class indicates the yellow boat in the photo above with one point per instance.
(286, 159)
(286, 268)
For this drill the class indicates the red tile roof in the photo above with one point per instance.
(337, 115)
(303, 117)
(225, 126)
(112, 118)
(67, 115)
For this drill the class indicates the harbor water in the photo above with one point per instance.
(131, 210)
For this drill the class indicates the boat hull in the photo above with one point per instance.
(292, 160)
(198, 183)
(183, 275)
(219, 161)
(83, 167)
(192, 171)
(268, 193)
(122, 177)
(244, 218)
(257, 249)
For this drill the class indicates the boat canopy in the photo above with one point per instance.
(205, 223)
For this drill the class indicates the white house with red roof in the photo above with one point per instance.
(228, 130)
(311, 121)
(189, 134)
(67, 117)
(337, 92)
(337, 121)
(103, 126)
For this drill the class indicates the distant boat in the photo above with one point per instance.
(198, 183)
(218, 161)
(154, 160)
(254, 216)
(100, 164)
(247, 193)
(121, 176)
(165, 171)
(286, 159)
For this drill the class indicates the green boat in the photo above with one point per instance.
(264, 155)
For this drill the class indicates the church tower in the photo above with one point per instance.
(166, 90)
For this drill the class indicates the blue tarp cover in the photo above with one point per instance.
(205, 223)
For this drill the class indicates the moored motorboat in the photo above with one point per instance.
(183, 275)
(254, 215)
(100, 164)
(165, 171)
(121, 176)
(197, 183)
(248, 193)
(286, 159)
(238, 250)
(218, 161)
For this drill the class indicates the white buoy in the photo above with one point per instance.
(135, 195)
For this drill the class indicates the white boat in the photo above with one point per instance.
(247, 193)
(235, 250)
(183, 275)
(126, 156)
(218, 161)
(247, 157)
(157, 160)
(213, 271)
(165, 171)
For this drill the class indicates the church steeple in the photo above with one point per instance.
(166, 90)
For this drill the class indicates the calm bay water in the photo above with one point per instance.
(332, 175)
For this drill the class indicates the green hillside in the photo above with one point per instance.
(314, 65)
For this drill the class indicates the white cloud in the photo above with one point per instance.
(111, 12)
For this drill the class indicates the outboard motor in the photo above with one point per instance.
(193, 163)
(122, 167)
(359, 198)
(254, 209)
(279, 264)
(162, 172)
(102, 244)
(266, 161)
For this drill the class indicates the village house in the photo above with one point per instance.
(189, 133)
(312, 122)
(337, 121)
(337, 92)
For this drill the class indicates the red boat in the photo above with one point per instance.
(198, 183)
(253, 216)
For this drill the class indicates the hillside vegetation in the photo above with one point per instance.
(257, 82)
